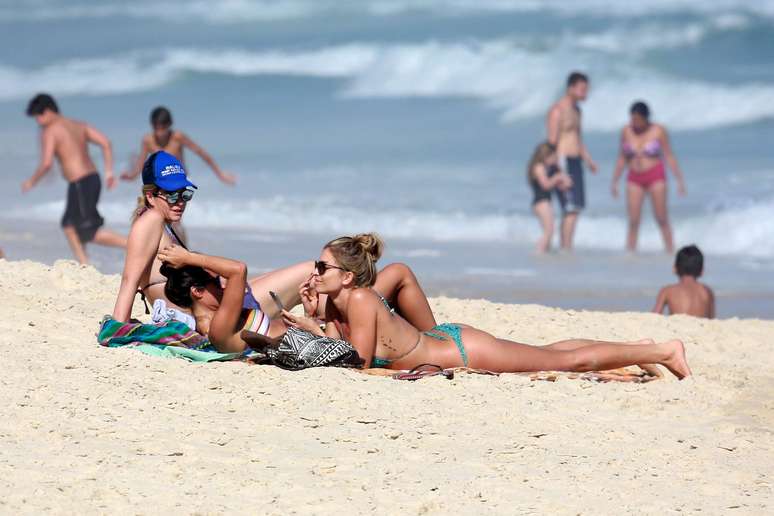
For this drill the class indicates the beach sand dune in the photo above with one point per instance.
(85, 429)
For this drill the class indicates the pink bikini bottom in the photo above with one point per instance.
(645, 178)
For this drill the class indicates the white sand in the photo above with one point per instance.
(85, 429)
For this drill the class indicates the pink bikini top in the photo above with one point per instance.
(652, 149)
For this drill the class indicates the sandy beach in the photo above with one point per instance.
(85, 429)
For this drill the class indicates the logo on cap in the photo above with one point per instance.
(170, 169)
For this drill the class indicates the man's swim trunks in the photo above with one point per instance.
(573, 200)
(81, 210)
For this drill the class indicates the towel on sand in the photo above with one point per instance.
(167, 339)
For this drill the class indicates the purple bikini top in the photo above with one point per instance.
(651, 149)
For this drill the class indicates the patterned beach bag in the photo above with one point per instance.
(300, 349)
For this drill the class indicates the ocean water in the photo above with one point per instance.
(413, 118)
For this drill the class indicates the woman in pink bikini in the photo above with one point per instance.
(644, 148)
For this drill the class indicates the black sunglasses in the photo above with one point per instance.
(321, 267)
(174, 197)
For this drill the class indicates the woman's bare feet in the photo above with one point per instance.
(675, 361)
(651, 369)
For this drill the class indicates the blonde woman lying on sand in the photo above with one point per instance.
(347, 268)
(194, 282)
(165, 194)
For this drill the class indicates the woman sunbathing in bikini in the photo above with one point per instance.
(347, 267)
(194, 283)
(165, 194)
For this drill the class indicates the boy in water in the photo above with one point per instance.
(172, 142)
(68, 140)
(688, 296)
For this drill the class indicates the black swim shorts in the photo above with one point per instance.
(573, 199)
(81, 210)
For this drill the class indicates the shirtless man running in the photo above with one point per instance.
(163, 137)
(68, 140)
(564, 130)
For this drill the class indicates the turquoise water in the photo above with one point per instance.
(414, 119)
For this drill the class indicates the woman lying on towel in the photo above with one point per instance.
(166, 192)
(193, 281)
(347, 268)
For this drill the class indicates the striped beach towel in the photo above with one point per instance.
(167, 339)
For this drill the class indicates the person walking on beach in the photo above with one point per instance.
(68, 140)
(564, 131)
(545, 176)
(644, 148)
(163, 137)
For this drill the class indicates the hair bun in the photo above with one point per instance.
(371, 244)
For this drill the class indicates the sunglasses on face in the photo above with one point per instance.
(321, 267)
(174, 197)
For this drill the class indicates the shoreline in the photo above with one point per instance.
(498, 272)
(98, 429)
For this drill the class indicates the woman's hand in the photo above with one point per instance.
(304, 323)
(681, 189)
(309, 297)
(614, 189)
(174, 255)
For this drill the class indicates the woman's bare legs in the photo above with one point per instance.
(658, 195)
(569, 345)
(580, 355)
(545, 214)
(635, 195)
(398, 284)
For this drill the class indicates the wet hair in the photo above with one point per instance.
(40, 103)
(539, 155)
(180, 281)
(576, 77)
(358, 254)
(160, 117)
(640, 108)
(689, 261)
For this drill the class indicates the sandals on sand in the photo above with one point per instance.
(424, 371)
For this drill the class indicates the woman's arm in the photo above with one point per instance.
(223, 332)
(142, 244)
(361, 315)
(669, 155)
(204, 155)
(620, 163)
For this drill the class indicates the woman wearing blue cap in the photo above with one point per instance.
(165, 193)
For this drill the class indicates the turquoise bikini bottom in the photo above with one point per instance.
(439, 332)
(455, 332)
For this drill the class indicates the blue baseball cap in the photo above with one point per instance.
(165, 171)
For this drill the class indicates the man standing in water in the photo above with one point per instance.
(564, 131)
(68, 140)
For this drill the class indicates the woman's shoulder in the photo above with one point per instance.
(363, 295)
(147, 221)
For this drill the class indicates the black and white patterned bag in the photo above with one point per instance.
(300, 349)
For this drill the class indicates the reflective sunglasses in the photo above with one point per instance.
(321, 267)
(174, 197)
